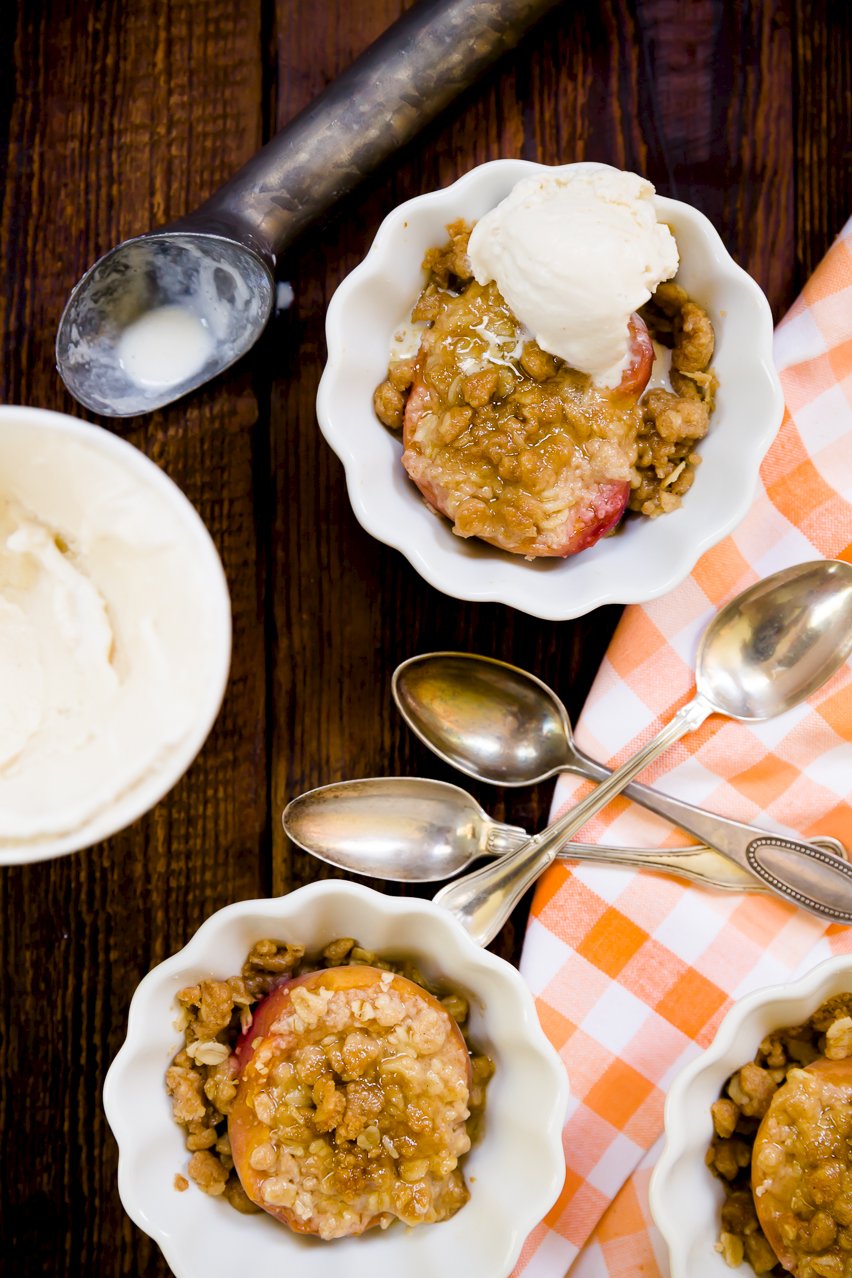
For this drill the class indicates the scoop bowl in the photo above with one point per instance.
(224, 284)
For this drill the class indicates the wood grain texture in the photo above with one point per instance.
(120, 116)
(822, 95)
(117, 116)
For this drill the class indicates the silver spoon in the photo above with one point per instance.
(416, 830)
(766, 651)
(500, 724)
(217, 262)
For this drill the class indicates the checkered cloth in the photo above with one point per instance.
(633, 972)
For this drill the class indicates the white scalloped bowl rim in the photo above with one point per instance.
(685, 1198)
(515, 1172)
(646, 558)
(215, 623)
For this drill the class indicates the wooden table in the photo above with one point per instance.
(117, 117)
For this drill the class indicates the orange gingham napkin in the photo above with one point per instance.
(633, 972)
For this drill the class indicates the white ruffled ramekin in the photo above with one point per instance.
(514, 1173)
(686, 1198)
(647, 557)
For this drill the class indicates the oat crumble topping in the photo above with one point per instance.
(346, 1099)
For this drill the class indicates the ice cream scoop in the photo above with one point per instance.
(216, 263)
(574, 253)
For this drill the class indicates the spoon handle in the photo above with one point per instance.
(818, 881)
(696, 863)
(729, 837)
(484, 899)
(801, 872)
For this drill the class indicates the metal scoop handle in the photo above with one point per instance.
(400, 83)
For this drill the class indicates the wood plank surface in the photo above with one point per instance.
(122, 115)
(117, 116)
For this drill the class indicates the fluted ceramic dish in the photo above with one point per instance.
(686, 1199)
(646, 558)
(514, 1173)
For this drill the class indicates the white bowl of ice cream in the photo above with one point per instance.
(645, 557)
(115, 634)
(513, 1172)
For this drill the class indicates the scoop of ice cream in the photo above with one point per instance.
(575, 252)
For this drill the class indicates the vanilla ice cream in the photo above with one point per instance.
(165, 346)
(574, 253)
(111, 635)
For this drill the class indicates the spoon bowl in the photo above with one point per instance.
(777, 642)
(488, 719)
(407, 830)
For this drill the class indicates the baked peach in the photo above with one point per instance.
(801, 1167)
(351, 1104)
(640, 365)
(521, 451)
(517, 448)
(542, 510)
(264, 1015)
